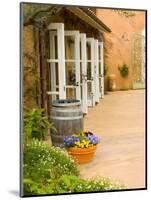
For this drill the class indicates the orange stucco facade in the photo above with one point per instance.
(118, 43)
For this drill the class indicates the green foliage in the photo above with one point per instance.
(124, 71)
(33, 187)
(73, 184)
(43, 165)
(96, 185)
(125, 13)
(36, 124)
(50, 170)
(38, 14)
(31, 10)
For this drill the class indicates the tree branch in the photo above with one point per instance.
(34, 15)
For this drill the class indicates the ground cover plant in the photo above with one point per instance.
(50, 170)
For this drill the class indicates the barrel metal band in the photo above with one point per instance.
(66, 111)
(66, 118)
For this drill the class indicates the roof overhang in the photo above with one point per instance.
(89, 17)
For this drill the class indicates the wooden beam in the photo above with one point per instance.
(42, 67)
(78, 12)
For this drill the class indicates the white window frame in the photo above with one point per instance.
(84, 73)
(101, 77)
(96, 72)
(59, 27)
(76, 60)
(91, 102)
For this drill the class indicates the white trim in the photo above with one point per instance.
(52, 60)
(52, 26)
(96, 72)
(91, 102)
(101, 76)
(71, 33)
(59, 32)
(52, 93)
(52, 65)
(61, 57)
(72, 60)
(71, 86)
(76, 59)
(57, 29)
(77, 64)
(102, 70)
(84, 72)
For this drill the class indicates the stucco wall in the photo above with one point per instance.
(118, 43)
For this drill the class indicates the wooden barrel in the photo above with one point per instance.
(67, 117)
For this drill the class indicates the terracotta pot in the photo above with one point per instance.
(112, 82)
(84, 155)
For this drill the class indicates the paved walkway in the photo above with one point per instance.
(119, 120)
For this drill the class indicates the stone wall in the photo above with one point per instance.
(31, 74)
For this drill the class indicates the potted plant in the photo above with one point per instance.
(124, 71)
(81, 146)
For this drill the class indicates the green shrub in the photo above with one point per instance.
(73, 184)
(36, 124)
(43, 164)
(101, 184)
(50, 170)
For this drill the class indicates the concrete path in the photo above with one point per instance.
(119, 119)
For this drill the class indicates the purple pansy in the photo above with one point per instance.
(70, 140)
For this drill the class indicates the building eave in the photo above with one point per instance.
(89, 17)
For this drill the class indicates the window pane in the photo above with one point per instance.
(80, 72)
(89, 86)
(80, 51)
(89, 70)
(71, 93)
(99, 68)
(56, 48)
(88, 49)
(69, 47)
(99, 49)
(81, 91)
(53, 47)
(54, 77)
(57, 74)
(99, 84)
(70, 73)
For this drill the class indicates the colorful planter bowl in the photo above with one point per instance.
(84, 155)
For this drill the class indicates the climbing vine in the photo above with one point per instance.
(38, 14)
(124, 70)
(125, 13)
